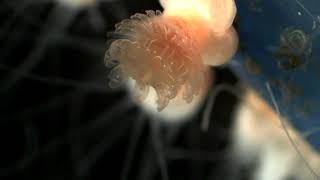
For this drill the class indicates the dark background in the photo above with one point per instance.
(59, 119)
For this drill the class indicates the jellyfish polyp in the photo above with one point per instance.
(169, 53)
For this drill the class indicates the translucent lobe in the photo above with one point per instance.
(186, 8)
(219, 49)
(164, 3)
(222, 14)
(218, 14)
(159, 52)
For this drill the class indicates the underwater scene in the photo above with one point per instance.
(160, 89)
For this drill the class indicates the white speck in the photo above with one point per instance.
(299, 13)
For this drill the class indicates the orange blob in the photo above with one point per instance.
(160, 51)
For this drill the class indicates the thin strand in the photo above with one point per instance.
(114, 134)
(133, 142)
(60, 81)
(103, 120)
(275, 104)
(310, 132)
(43, 107)
(57, 22)
(86, 44)
(148, 167)
(209, 106)
(76, 145)
(158, 147)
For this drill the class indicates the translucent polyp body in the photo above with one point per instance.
(218, 14)
(163, 52)
(220, 48)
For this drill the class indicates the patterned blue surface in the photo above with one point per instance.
(280, 48)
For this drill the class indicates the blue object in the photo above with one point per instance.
(279, 56)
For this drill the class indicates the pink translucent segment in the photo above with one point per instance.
(222, 14)
(220, 48)
(219, 14)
